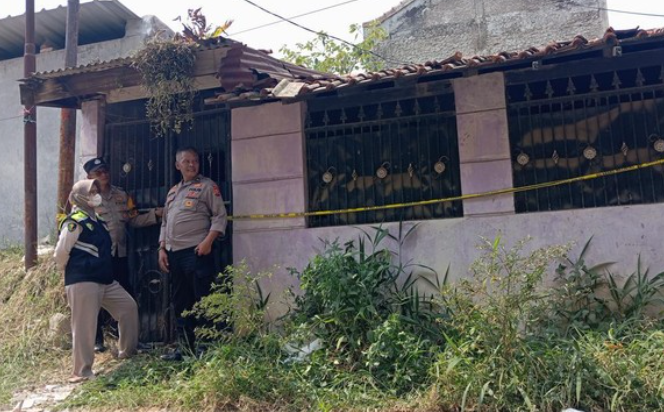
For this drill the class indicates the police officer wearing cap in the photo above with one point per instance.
(194, 216)
(118, 210)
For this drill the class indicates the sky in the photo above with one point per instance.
(335, 20)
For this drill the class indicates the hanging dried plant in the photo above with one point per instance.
(167, 70)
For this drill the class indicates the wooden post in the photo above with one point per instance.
(68, 116)
(30, 143)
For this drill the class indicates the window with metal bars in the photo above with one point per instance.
(563, 128)
(383, 152)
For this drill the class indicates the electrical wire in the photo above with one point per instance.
(289, 20)
(636, 13)
(294, 17)
(353, 1)
(325, 34)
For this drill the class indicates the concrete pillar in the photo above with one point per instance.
(484, 147)
(267, 152)
(268, 165)
(92, 132)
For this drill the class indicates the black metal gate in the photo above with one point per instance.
(144, 166)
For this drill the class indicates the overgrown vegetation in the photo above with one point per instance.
(329, 55)
(372, 331)
(167, 71)
(361, 303)
(27, 301)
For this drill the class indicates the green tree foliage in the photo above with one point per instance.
(331, 56)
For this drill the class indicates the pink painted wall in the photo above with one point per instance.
(269, 177)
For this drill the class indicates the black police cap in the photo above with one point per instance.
(94, 164)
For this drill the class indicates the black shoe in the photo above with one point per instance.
(144, 346)
(99, 347)
(175, 356)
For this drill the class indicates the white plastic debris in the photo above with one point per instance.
(301, 353)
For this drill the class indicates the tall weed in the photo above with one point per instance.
(594, 298)
(361, 301)
(638, 294)
(27, 301)
(516, 345)
(236, 302)
(488, 359)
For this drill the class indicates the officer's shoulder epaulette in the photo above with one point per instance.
(117, 190)
(78, 216)
(73, 219)
(173, 189)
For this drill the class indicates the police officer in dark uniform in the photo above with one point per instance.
(194, 216)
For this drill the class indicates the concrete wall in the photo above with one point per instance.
(48, 131)
(436, 29)
(269, 177)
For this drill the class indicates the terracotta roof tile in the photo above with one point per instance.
(457, 62)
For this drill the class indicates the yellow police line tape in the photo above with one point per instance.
(447, 199)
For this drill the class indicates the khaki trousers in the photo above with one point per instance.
(85, 299)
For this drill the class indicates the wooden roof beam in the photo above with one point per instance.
(119, 83)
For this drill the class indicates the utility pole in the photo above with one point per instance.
(68, 115)
(30, 143)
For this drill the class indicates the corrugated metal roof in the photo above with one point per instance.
(240, 67)
(99, 20)
(248, 68)
(100, 66)
(85, 68)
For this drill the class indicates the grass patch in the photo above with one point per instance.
(233, 376)
(26, 303)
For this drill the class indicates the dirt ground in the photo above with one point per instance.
(44, 398)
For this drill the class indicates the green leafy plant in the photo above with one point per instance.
(594, 298)
(167, 71)
(332, 56)
(493, 318)
(503, 299)
(354, 295)
(575, 303)
(398, 358)
(236, 301)
(638, 293)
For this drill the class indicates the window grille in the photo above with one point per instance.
(567, 127)
(383, 152)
